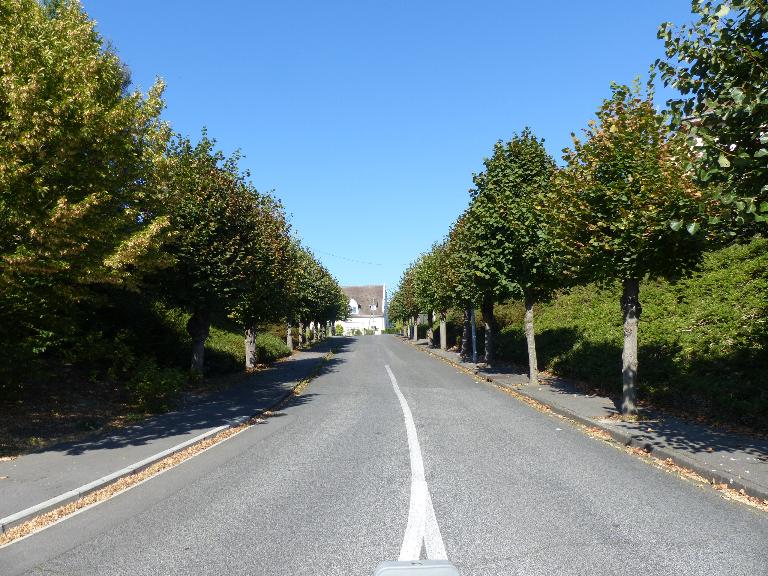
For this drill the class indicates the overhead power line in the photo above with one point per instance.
(355, 260)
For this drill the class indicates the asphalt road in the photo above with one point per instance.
(328, 486)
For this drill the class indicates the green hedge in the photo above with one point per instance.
(269, 347)
(703, 339)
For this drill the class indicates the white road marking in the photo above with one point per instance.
(422, 524)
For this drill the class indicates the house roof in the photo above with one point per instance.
(366, 296)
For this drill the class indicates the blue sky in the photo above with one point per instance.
(368, 118)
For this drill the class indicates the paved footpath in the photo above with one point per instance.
(393, 454)
(42, 475)
(738, 460)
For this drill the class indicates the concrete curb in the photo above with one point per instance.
(625, 438)
(81, 491)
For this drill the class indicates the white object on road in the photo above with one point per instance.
(422, 523)
(417, 568)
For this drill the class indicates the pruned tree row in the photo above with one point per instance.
(640, 195)
(100, 201)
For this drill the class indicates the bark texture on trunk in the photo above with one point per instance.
(302, 334)
(631, 309)
(250, 348)
(415, 328)
(466, 336)
(288, 336)
(430, 332)
(443, 332)
(489, 323)
(530, 337)
(473, 328)
(198, 327)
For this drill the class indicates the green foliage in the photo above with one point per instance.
(338, 330)
(508, 221)
(703, 347)
(431, 290)
(152, 388)
(230, 243)
(720, 66)
(313, 294)
(617, 210)
(404, 303)
(270, 348)
(75, 149)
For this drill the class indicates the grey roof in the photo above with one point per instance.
(366, 296)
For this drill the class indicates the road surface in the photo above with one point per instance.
(393, 454)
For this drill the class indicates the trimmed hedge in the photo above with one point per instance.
(269, 347)
(703, 340)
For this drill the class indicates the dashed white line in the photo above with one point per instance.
(422, 527)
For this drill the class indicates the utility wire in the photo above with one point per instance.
(348, 259)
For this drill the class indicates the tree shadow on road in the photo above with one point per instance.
(256, 392)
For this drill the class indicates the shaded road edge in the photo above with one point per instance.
(29, 520)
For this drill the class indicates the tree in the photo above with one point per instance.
(460, 277)
(506, 203)
(406, 306)
(230, 243)
(265, 263)
(433, 292)
(720, 66)
(477, 254)
(315, 295)
(618, 207)
(76, 214)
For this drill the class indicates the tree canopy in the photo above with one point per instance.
(719, 64)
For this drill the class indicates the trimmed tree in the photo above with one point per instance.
(433, 292)
(229, 243)
(508, 200)
(618, 209)
(460, 278)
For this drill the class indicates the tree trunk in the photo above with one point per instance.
(430, 332)
(443, 332)
(288, 336)
(466, 343)
(530, 337)
(302, 335)
(631, 309)
(489, 324)
(250, 348)
(198, 327)
(415, 328)
(473, 327)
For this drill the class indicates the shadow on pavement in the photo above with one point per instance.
(659, 431)
(255, 393)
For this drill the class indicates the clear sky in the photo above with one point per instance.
(367, 118)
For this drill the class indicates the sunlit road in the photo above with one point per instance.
(331, 485)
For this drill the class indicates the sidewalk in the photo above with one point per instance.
(35, 478)
(736, 460)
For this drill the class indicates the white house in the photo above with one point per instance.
(367, 308)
